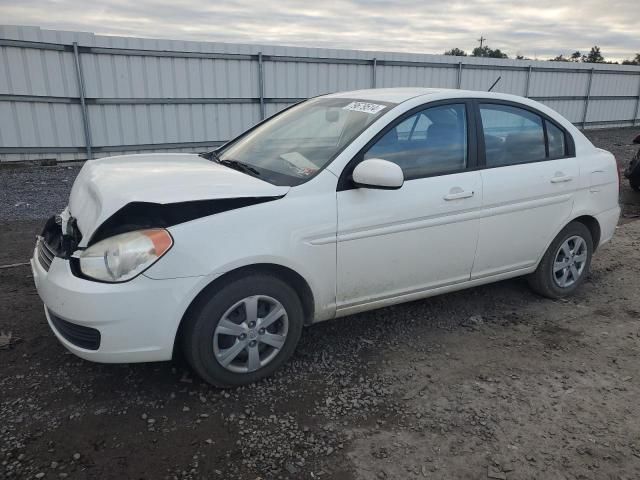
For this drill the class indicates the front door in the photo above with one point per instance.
(394, 243)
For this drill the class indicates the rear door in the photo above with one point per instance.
(529, 178)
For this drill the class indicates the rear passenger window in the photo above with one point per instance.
(511, 135)
(555, 136)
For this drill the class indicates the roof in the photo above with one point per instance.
(394, 95)
(399, 95)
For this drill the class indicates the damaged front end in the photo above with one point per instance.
(122, 205)
(60, 237)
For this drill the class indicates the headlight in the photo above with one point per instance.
(122, 257)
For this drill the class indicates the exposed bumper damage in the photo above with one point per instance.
(60, 236)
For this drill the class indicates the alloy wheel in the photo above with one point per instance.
(250, 334)
(570, 261)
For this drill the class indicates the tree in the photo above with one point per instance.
(522, 57)
(456, 52)
(488, 52)
(634, 61)
(559, 58)
(594, 56)
(576, 57)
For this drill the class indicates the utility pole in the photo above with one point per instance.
(481, 40)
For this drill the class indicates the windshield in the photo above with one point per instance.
(292, 147)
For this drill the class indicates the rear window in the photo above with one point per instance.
(511, 135)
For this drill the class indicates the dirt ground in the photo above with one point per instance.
(491, 382)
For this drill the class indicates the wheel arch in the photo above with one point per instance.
(589, 221)
(286, 274)
(593, 225)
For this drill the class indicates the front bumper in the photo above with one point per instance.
(137, 320)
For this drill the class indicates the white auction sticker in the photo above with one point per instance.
(365, 107)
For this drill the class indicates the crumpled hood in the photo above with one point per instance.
(106, 185)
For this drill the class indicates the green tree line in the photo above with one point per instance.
(594, 55)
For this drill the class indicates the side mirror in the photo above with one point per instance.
(637, 139)
(378, 173)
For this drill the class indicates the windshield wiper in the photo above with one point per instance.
(236, 165)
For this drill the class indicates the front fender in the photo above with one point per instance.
(297, 231)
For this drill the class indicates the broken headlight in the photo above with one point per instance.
(123, 257)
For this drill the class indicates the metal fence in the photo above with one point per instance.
(72, 95)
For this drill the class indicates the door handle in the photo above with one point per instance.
(561, 178)
(458, 195)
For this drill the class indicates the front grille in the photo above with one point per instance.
(45, 254)
(83, 337)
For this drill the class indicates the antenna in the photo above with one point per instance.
(481, 40)
(494, 83)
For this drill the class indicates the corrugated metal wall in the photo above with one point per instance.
(162, 95)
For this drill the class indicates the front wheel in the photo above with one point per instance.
(243, 331)
(565, 264)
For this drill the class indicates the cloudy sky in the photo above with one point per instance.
(537, 29)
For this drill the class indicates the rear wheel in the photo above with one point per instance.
(565, 264)
(243, 331)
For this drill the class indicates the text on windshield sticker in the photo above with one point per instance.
(365, 107)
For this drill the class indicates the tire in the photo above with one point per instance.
(548, 283)
(207, 339)
(635, 184)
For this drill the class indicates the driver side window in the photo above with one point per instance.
(432, 141)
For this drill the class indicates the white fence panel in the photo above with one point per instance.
(143, 95)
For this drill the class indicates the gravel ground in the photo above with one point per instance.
(491, 382)
(28, 193)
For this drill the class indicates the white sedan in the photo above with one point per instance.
(339, 204)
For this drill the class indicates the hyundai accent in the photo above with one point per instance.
(336, 205)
